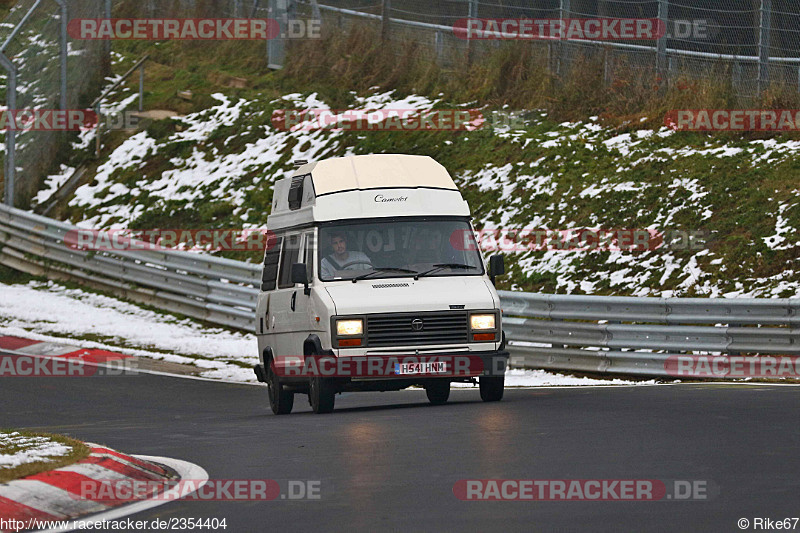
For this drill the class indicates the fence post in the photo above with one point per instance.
(141, 88)
(661, 44)
(276, 50)
(765, 25)
(97, 140)
(11, 134)
(472, 14)
(108, 16)
(385, 22)
(315, 13)
(63, 52)
(563, 13)
(736, 71)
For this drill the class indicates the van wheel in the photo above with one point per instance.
(438, 391)
(281, 401)
(321, 395)
(492, 388)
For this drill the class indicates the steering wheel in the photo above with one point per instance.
(351, 263)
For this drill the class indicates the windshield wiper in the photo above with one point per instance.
(440, 266)
(376, 270)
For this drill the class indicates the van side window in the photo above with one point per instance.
(269, 275)
(310, 254)
(291, 251)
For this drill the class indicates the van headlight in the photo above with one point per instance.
(482, 322)
(349, 327)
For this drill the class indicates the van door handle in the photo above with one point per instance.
(294, 299)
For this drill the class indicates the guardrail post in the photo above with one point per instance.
(765, 26)
(661, 44)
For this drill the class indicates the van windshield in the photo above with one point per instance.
(398, 248)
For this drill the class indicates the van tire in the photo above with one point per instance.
(321, 395)
(438, 391)
(492, 388)
(280, 400)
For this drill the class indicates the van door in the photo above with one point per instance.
(304, 317)
(301, 317)
(283, 301)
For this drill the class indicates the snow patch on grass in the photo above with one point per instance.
(17, 449)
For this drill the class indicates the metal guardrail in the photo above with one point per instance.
(597, 334)
(220, 291)
(631, 335)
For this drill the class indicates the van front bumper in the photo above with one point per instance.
(453, 366)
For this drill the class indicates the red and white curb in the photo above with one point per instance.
(56, 495)
(20, 346)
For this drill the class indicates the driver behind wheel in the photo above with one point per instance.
(341, 258)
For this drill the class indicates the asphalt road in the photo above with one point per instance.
(389, 460)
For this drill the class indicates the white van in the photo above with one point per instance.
(373, 281)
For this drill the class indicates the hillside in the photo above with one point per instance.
(214, 167)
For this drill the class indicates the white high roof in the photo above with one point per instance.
(363, 172)
(367, 186)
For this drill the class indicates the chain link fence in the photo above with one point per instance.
(46, 70)
(280, 10)
(753, 43)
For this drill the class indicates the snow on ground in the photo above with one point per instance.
(29, 449)
(53, 183)
(51, 312)
(206, 164)
(56, 312)
(518, 377)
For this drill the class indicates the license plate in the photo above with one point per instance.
(420, 368)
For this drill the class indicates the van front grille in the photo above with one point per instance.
(403, 329)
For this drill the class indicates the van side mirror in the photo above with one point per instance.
(497, 266)
(300, 275)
